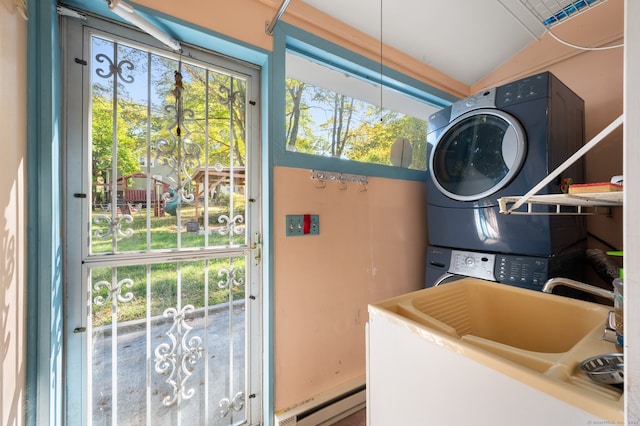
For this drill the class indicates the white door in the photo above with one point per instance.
(162, 236)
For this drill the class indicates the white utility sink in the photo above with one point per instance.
(490, 339)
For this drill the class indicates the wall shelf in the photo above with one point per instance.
(567, 204)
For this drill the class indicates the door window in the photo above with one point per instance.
(163, 260)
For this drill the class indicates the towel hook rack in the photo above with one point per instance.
(343, 178)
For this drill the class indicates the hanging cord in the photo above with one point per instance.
(381, 61)
(177, 93)
(566, 43)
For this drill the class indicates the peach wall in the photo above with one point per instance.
(13, 38)
(597, 76)
(372, 245)
(240, 19)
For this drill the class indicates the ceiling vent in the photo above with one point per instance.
(552, 12)
(538, 16)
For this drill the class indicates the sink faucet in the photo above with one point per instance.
(553, 282)
(610, 327)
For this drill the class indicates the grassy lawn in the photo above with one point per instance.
(155, 287)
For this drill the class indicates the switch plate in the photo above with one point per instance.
(299, 225)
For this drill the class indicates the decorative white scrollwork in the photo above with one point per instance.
(232, 278)
(113, 292)
(231, 226)
(114, 68)
(114, 226)
(178, 358)
(182, 156)
(231, 98)
(179, 153)
(225, 405)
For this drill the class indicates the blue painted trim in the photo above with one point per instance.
(308, 45)
(44, 249)
(316, 162)
(183, 31)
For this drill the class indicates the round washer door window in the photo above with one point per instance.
(477, 154)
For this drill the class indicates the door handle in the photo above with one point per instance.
(256, 248)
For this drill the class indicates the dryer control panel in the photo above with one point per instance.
(534, 87)
(472, 264)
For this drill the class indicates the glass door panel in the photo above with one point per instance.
(163, 259)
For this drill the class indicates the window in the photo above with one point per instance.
(143, 162)
(333, 113)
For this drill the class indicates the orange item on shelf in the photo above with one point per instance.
(583, 188)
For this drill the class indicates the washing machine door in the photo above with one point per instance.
(448, 278)
(477, 154)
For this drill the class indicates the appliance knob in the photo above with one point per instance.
(470, 261)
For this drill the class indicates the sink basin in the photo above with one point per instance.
(507, 315)
(479, 329)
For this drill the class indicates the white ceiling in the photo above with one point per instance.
(465, 39)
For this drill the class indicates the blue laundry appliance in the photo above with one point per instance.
(502, 142)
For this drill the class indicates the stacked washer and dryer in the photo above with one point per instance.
(502, 142)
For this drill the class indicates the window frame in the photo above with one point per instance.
(301, 43)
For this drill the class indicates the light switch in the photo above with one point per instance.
(302, 224)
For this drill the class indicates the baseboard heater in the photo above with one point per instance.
(326, 408)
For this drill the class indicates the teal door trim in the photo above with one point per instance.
(44, 248)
